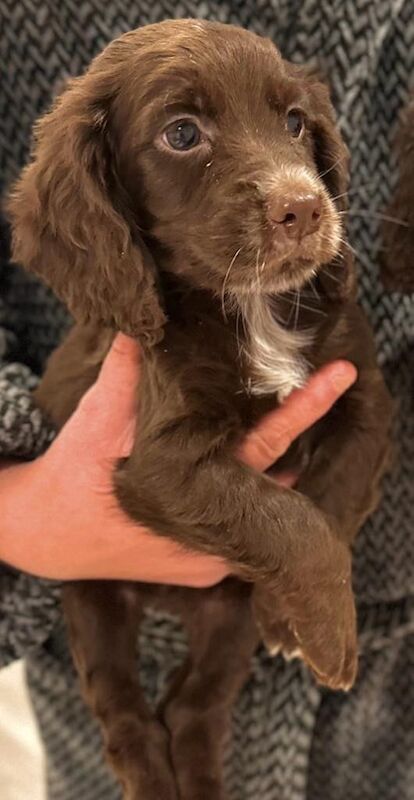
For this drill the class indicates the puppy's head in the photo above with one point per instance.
(191, 146)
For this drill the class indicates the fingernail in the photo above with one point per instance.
(343, 377)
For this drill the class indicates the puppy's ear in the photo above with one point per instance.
(338, 279)
(68, 223)
(397, 260)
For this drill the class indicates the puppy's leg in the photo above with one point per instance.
(343, 480)
(180, 484)
(223, 638)
(103, 620)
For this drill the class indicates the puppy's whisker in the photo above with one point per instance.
(350, 247)
(297, 308)
(345, 243)
(332, 277)
(239, 316)
(303, 305)
(288, 292)
(314, 289)
(376, 215)
(338, 196)
(327, 171)
(257, 268)
(226, 277)
(292, 304)
(354, 190)
(340, 240)
(313, 309)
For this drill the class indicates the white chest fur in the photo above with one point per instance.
(274, 353)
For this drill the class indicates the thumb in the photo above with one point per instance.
(106, 415)
(121, 366)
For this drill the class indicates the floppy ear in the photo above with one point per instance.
(338, 279)
(397, 260)
(67, 220)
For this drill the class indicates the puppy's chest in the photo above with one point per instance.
(277, 367)
(236, 363)
(274, 356)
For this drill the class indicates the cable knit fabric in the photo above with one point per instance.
(291, 741)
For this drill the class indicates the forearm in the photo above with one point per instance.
(24, 434)
(17, 512)
(29, 606)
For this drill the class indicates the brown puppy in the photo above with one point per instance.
(181, 191)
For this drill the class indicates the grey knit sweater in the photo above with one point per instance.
(291, 740)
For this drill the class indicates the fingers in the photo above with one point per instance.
(286, 479)
(274, 434)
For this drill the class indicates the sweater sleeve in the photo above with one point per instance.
(29, 611)
(24, 431)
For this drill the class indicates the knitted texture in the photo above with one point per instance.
(290, 741)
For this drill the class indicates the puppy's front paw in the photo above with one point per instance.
(314, 620)
(328, 639)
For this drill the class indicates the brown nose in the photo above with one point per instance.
(297, 215)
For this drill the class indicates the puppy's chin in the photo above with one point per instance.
(292, 270)
(283, 277)
(292, 276)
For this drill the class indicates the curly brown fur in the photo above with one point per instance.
(194, 253)
(398, 231)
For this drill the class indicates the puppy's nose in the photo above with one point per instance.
(297, 215)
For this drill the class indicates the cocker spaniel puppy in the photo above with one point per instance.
(187, 190)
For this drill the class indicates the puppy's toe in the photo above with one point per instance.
(276, 633)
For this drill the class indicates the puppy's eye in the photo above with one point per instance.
(295, 122)
(182, 135)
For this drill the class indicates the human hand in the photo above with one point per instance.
(60, 518)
